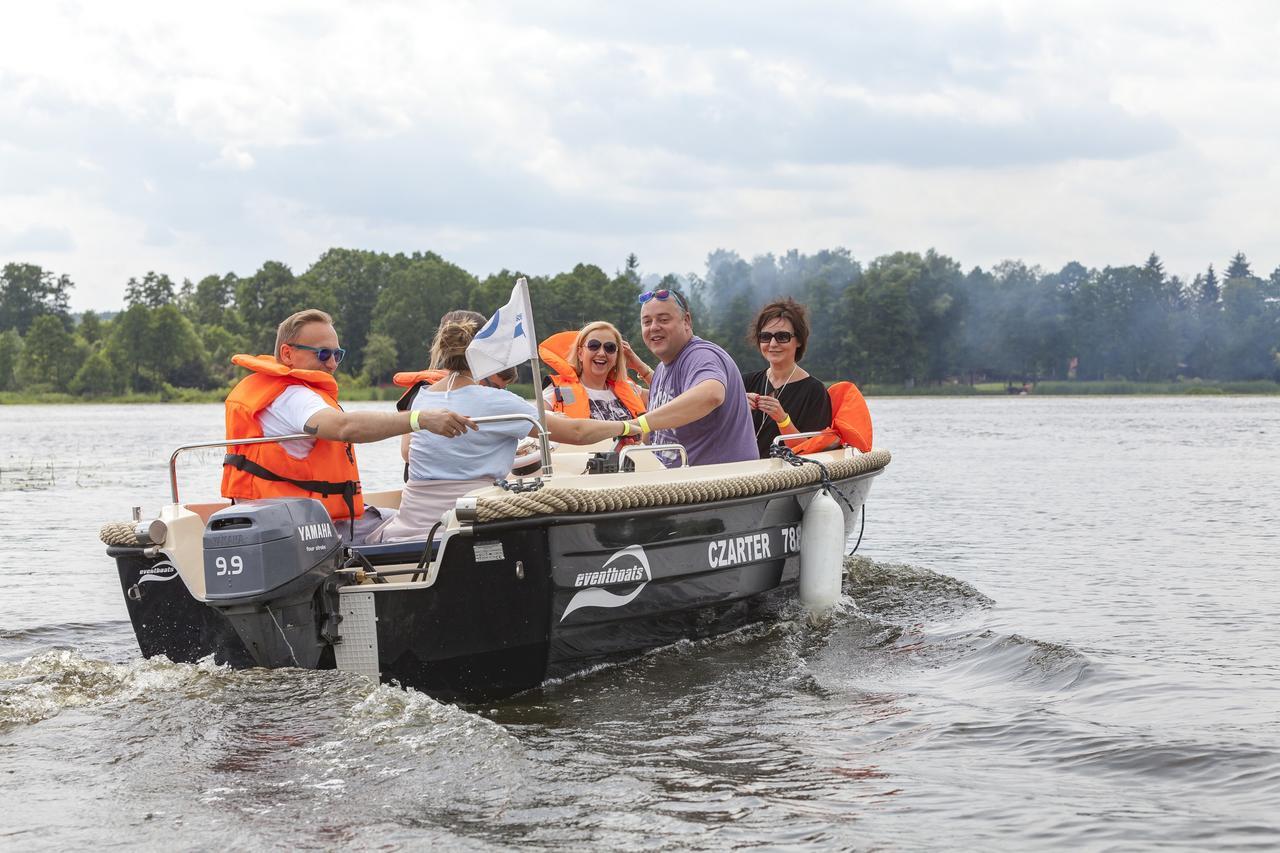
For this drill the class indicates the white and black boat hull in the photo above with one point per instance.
(515, 602)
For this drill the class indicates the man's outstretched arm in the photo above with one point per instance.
(699, 401)
(361, 427)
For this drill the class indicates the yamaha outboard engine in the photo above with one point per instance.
(268, 567)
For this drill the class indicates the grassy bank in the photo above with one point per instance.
(366, 393)
(356, 393)
(176, 395)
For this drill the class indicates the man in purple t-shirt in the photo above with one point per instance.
(695, 395)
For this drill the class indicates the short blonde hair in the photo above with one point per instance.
(453, 336)
(619, 372)
(287, 331)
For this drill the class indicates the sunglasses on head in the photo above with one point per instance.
(780, 337)
(324, 353)
(595, 346)
(664, 295)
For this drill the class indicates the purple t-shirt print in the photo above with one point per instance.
(723, 435)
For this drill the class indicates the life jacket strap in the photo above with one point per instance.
(347, 488)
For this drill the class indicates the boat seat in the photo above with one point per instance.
(395, 553)
(206, 510)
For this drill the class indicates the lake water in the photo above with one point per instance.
(1064, 636)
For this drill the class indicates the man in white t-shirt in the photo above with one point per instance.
(295, 393)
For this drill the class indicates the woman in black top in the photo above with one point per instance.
(784, 398)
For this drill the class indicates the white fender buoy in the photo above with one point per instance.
(821, 553)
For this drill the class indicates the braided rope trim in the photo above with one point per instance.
(557, 501)
(119, 533)
(565, 501)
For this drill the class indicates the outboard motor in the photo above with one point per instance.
(267, 568)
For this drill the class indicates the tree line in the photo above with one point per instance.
(904, 318)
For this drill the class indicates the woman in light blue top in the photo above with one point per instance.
(442, 471)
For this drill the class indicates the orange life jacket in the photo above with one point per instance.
(850, 421)
(571, 395)
(414, 380)
(328, 473)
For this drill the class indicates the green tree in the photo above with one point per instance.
(883, 334)
(212, 302)
(220, 344)
(1153, 334)
(95, 378)
(583, 295)
(174, 352)
(90, 328)
(10, 354)
(1208, 291)
(1250, 350)
(149, 348)
(822, 353)
(380, 359)
(155, 290)
(414, 299)
(128, 348)
(1203, 330)
(27, 292)
(1239, 267)
(731, 330)
(51, 355)
(355, 279)
(899, 318)
(270, 295)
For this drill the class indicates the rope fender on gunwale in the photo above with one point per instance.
(119, 533)
(554, 501)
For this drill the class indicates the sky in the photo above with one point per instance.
(194, 139)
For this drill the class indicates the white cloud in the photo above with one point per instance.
(200, 139)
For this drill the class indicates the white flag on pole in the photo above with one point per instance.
(505, 341)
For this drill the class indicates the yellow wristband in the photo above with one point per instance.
(784, 423)
(626, 429)
(413, 421)
(644, 424)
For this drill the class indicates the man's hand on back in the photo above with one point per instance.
(444, 422)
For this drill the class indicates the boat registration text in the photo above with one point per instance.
(752, 548)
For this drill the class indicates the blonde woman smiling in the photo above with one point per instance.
(590, 374)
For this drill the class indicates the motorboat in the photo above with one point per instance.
(606, 555)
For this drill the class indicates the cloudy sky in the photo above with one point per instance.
(139, 136)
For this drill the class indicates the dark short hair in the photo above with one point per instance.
(783, 309)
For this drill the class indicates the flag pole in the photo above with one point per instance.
(536, 368)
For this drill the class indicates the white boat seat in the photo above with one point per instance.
(206, 510)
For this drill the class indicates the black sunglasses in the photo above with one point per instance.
(664, 295)
(609, 346)
(780, 337)
(324, 353)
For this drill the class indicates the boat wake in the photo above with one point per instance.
(899, 592)
(45, 684)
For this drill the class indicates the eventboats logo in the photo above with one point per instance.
(630, 565)
(159, 572)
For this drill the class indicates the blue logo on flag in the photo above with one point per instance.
(490, 326)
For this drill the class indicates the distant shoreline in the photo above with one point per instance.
(1190, 388)
(1103, 388)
